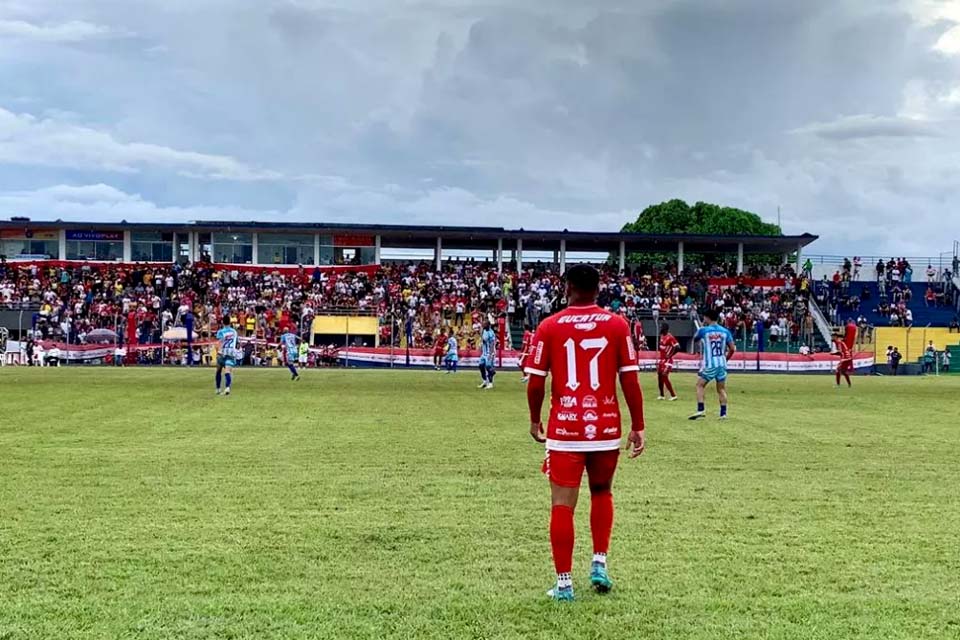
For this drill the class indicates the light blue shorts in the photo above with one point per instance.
(716, 374)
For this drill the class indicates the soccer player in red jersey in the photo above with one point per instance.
(668, 348)
(439, 347)
(639, 339)
(525, 350)
(845, 366)
(585, 349)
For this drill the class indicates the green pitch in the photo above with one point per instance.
(135, 504)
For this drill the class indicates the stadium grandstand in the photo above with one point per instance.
(377, 295)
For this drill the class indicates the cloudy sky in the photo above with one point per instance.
(532, 113)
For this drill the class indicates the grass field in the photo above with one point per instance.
(363, 504)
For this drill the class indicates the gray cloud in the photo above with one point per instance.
(534, 113)
(864, 126)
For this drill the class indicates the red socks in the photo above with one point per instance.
(561, 538)
(601, 520)
(562, 535)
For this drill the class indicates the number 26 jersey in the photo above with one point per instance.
(584, 350)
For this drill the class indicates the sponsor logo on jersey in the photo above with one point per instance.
(568, 416)
(539, 355)
(609, 400)
(590, 431)
(590, 416)
(585, 326)
(610, 431)
(563, 432)
(589, 402)
(631, 350)
(611, 414)
(568, 402)
(587, 317)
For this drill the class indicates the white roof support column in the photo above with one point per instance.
(499, 255)
(438, 255)
(623, 256)
(519, 254)
(376, 250)
(799, 257)
(316, 249)
(680, 257)
(62, 238)
(127, 247)
(255, 256)
(739, 258)
(563, 256)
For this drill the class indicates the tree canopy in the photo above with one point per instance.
(676, 216)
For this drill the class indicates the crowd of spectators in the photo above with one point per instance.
(413, 301)
(895, 295)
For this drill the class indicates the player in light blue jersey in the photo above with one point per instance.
(289, 346)
(488, 349)
(716, 346)
(226, 353)
(452, 356)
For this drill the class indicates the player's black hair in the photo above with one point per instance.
(664, 328)
(712, 314)
(583, 277)
(226, 318)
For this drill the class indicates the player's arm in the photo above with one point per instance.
(632, 394)
(731, 346)
(537, 369)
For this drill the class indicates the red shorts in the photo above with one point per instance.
(521, 360)
(664, 367)
(845, 366)
(565, 468)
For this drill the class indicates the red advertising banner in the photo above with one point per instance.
(28, 234)
(353, 240)
(767, 283)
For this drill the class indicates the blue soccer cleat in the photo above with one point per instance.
(561, 594)
(599, 579)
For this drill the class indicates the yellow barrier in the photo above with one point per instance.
(911, 342)
(347, 325)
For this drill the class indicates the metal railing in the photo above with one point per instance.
(868, 269)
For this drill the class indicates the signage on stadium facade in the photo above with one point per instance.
(105, 236)
(27, 234)
(353, 240)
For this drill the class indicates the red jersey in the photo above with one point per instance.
(584, 349)
(846, 353)
(638, 336)
(527, 341)
(668, 348)
(850, 335)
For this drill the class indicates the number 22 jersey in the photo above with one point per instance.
(584, 349)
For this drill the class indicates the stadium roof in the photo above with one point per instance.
(460, 237)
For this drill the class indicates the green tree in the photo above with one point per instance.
(676, 216)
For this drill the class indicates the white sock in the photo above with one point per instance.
(564, 580)
(601, 558)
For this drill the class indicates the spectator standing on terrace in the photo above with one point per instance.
(908, 318)
(945, 361)
(880, 270)
(857, 264)
(931, 274)
(954, 325)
